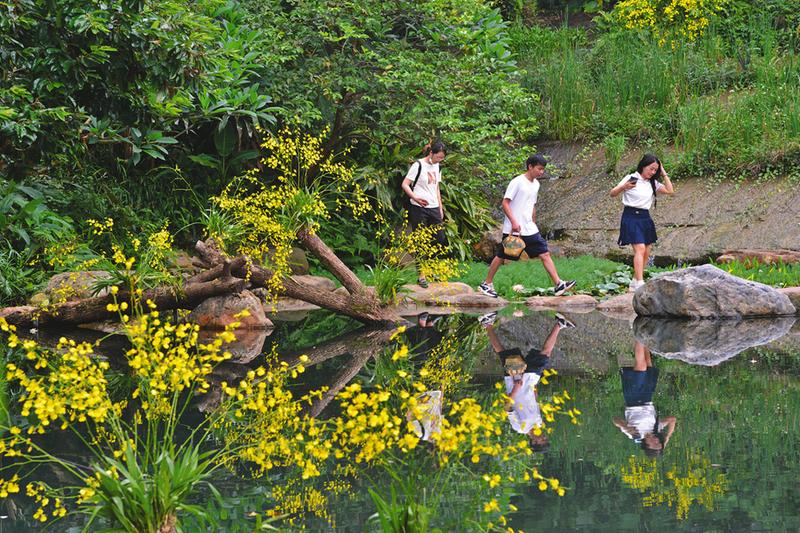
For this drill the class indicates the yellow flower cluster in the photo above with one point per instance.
(168, 359)
(693, 481)
(556, 403)
(443, 368)
(267, 428)
(308, 185)
(668, 20)
(293, 500)
(119, 257)
(429, 255)
(471, 431)
(272, 217)
(368, 425)
(261, 423)
(160, 246)
(9, 486)
(100, 227)
(72, 386)
(38, 492)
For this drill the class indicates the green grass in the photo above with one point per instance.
(776, 275)
(588, 271)
(730, 109)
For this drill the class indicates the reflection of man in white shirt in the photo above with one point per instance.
(522, 376)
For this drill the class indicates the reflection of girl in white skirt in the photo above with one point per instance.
(642, 423)
(636, 228)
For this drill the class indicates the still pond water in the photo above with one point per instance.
(722, 402)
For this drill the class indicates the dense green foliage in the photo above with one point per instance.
(141, 111)
(728, 101)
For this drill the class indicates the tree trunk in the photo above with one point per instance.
(331, 262)
(358, 304)
(224, 276)
(94, 309)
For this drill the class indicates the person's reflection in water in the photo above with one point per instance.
(424, 337)
(641, 420)
(522, 376)
(426, 418)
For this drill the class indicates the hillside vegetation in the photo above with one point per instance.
(133, 115)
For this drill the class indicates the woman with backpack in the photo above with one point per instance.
(637, 228)
(421, 185)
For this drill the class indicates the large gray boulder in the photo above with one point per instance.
(707, 292)
(707, 342)
(70, 286)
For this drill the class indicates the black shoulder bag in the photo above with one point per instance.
(407, 203)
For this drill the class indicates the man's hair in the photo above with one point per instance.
(535, 159)
(538, 443)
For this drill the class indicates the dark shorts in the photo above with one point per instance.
(535, 245)
(636, 227)
(638, 386)
(535, 360)
(427, 216)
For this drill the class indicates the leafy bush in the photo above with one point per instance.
(18, 278)
(25, 220)
(93, 94)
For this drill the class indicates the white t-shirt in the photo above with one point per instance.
(641, 196)
(643, 419)
(523, 194)
(525, 413)
(430, 410)
(427, 186)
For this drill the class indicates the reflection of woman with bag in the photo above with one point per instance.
(426, 416)
(421, 185)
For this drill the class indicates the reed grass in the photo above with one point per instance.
(730, 106)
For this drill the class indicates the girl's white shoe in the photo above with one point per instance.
(635, 284)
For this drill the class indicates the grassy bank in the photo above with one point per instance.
(596, 276)
(591, 274)
(728, 105)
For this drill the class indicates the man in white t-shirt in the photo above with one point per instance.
(519, 205)
(421, 185)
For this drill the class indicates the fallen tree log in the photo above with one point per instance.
(358, 303)
(95, 309)
(222, 276)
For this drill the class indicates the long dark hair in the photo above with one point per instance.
(434, 148)
(647, 160)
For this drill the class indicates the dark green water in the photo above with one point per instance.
(732, 462)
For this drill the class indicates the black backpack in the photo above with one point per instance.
(407, 202)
